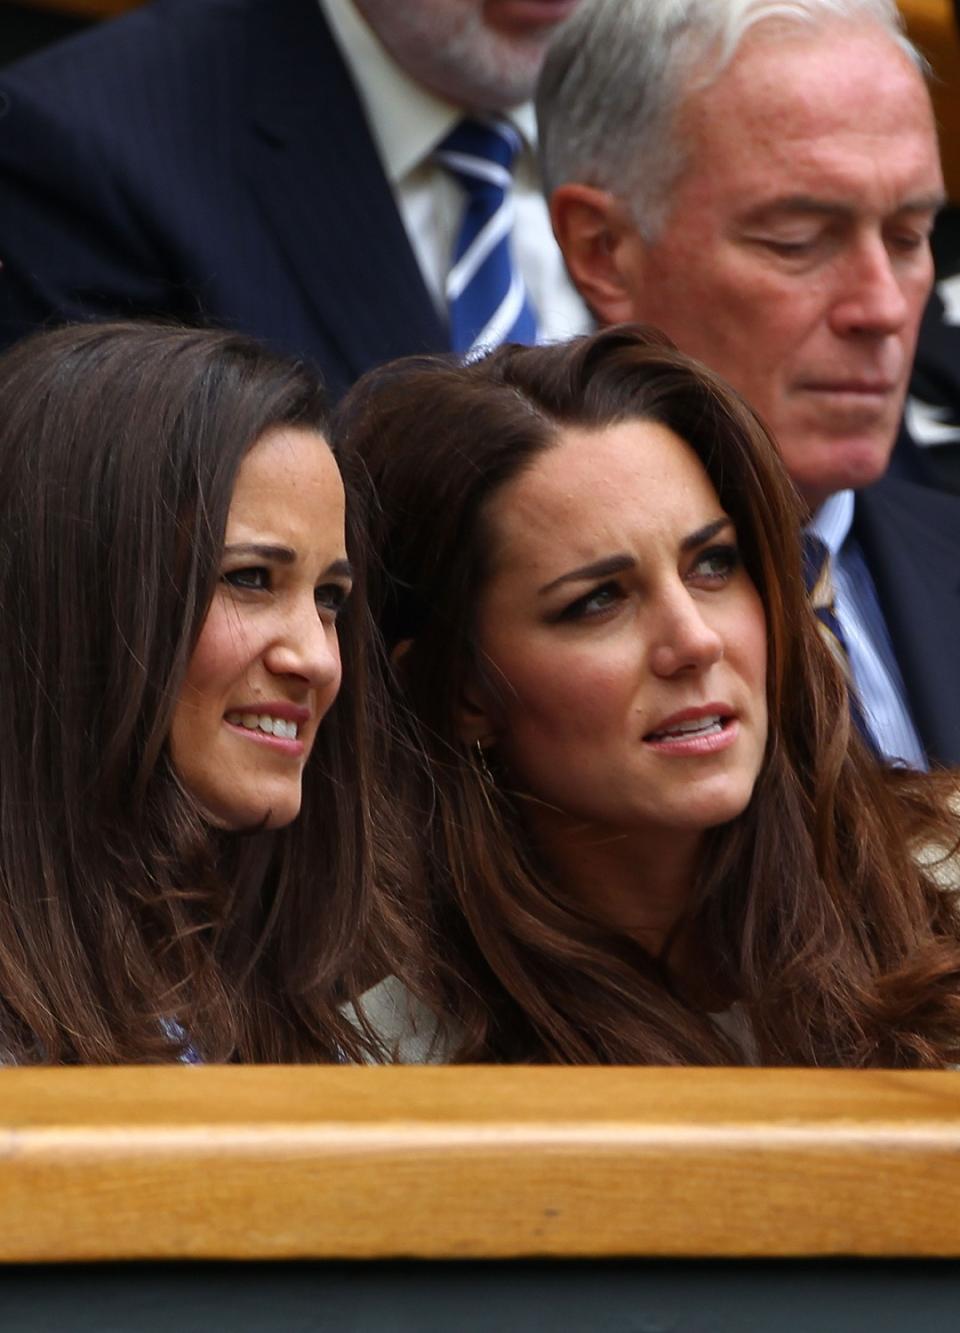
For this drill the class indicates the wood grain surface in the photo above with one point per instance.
(932, 26)
(242, 1163)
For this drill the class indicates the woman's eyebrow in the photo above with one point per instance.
(339, 569)
(706, 533)
(616, 564)
(283, 555)
(611, 564)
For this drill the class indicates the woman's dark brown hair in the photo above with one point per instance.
(127, 925)
(820, 912)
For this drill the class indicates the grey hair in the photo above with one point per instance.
(617, 71)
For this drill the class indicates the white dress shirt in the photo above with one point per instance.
(873, 665)
(407, 123)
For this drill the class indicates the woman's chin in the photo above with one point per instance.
(253, 816)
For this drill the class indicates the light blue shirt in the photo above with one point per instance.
(873, 665)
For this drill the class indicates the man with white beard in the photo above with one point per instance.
(291, 168)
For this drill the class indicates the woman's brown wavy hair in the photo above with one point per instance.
(127, 925)
(822, 903)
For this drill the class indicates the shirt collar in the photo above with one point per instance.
(833, 520)
(407, 120)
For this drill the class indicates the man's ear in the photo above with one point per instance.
(599, 239)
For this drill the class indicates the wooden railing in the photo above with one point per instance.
(281, 1163)
(932, 25)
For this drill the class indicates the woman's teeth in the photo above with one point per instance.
(272, 726)
(701, 726)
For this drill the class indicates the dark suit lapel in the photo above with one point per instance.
(318, 178)
(910, 538)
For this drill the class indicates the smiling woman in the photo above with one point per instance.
(175, 599)
(649, 832)
(266, 666)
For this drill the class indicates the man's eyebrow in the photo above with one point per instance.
(810, 203)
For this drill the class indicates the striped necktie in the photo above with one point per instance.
(486, 299)
(819, 580)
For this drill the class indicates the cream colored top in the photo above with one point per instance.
(412, 1034)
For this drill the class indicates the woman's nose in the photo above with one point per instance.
(684, 638)
(306, 646)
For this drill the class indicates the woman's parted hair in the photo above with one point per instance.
(812, 899)
(122, 915)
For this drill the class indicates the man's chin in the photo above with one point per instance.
(821, 469)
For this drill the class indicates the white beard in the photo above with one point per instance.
(447, 46)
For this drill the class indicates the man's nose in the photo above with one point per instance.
(874, 289)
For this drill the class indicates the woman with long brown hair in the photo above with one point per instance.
(175, 619)
(649, 832)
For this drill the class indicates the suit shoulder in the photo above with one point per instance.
(146, 42)
(893, 499)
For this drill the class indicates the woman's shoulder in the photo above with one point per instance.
(939, 856)
(408, 1030)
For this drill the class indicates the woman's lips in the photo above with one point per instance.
(292, 746)
(702, 729)
(714, 735)
(277, 724)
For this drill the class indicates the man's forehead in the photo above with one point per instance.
(789, 67)
(824, 116)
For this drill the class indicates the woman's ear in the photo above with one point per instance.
(477, 719)
(399, 652)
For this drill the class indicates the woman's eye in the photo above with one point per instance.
(255, 578)
(330, 598)
(716, 564)
(593, 603)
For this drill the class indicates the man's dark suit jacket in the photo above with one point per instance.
(208, 160)
(910, 537)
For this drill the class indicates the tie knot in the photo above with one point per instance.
(816, 569)
(816, 560)
(480, 153)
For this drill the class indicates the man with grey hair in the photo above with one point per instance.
(350, 180)
(759, 178)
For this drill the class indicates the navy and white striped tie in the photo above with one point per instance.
(818, 576)
(486, 298)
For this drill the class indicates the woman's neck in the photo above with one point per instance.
(640, 884)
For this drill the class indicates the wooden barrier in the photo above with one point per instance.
(346, 1163)
(932, 25)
